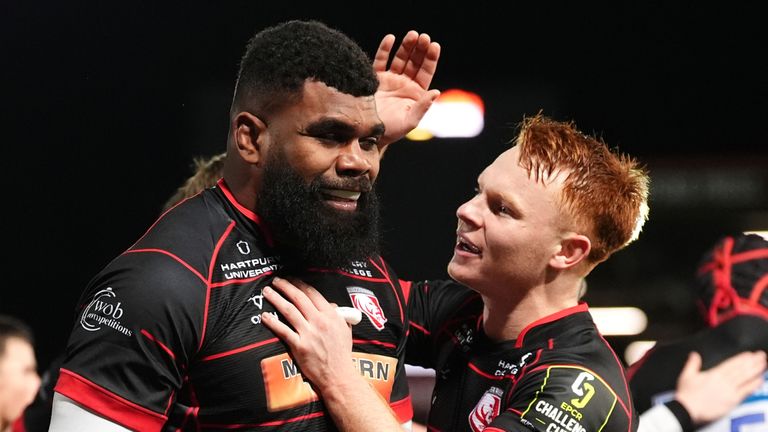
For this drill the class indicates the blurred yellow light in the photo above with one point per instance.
(419, 134)
(455, 114)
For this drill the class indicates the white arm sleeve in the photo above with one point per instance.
(69, 416)
(659, 418)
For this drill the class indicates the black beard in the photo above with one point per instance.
(308, 232)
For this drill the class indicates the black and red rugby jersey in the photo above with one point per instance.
(168, 335)
(558, 375)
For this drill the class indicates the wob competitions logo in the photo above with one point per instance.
(103, 311)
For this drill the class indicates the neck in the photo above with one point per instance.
(242, 190)
(242, 178)
(505, 317)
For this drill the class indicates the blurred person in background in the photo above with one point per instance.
(730, 284)
(19, 380)
(206, 172)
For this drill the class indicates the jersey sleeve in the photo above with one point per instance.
(563, 397)
(432, 307)
(140, 322)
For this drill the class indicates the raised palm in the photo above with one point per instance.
(404, 96)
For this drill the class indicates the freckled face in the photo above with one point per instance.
(508, 231)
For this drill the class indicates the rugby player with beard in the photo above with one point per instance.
(326, 222)
(169, 335)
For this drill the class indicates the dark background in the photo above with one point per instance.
(105, 104)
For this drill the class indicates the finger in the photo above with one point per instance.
(314, 295)
(290, 337)
(692, 365)
(752, 367)
(292, 315)
(404, 52)
(351, 315)
(743, 366)
(381, 58)
(751, 386)
(296, 296)
(421, 106)
(428, 66)
(416, 58)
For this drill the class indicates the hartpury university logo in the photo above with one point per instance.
(102, 311)
(366, 302)
(243, 247)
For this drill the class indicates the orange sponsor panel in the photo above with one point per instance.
(285, 387)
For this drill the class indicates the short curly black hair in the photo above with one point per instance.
(279, 59)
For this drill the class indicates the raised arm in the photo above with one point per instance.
(321, 343)
(404, 96)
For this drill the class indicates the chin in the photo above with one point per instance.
(456, 273)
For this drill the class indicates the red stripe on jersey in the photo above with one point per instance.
(190, 413)
(420, 328)
(211, 266)
(107, 404)
(165, 252)
(239, 350)
(634, 367)
(373, 342)
(18, 425)
(383, 270)
(627, 409)
(246, 212)
(269, 423)
(160, 344)
(483, 374)
(403, 409)
(581, 307)
(527, 367)
(155, 223)
(406, 286)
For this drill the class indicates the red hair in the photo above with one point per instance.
(605, 192)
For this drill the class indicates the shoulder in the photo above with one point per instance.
(572, 395)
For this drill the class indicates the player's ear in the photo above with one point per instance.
(248, 133)
(573, 249)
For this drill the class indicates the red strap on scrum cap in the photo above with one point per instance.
(734, 279)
